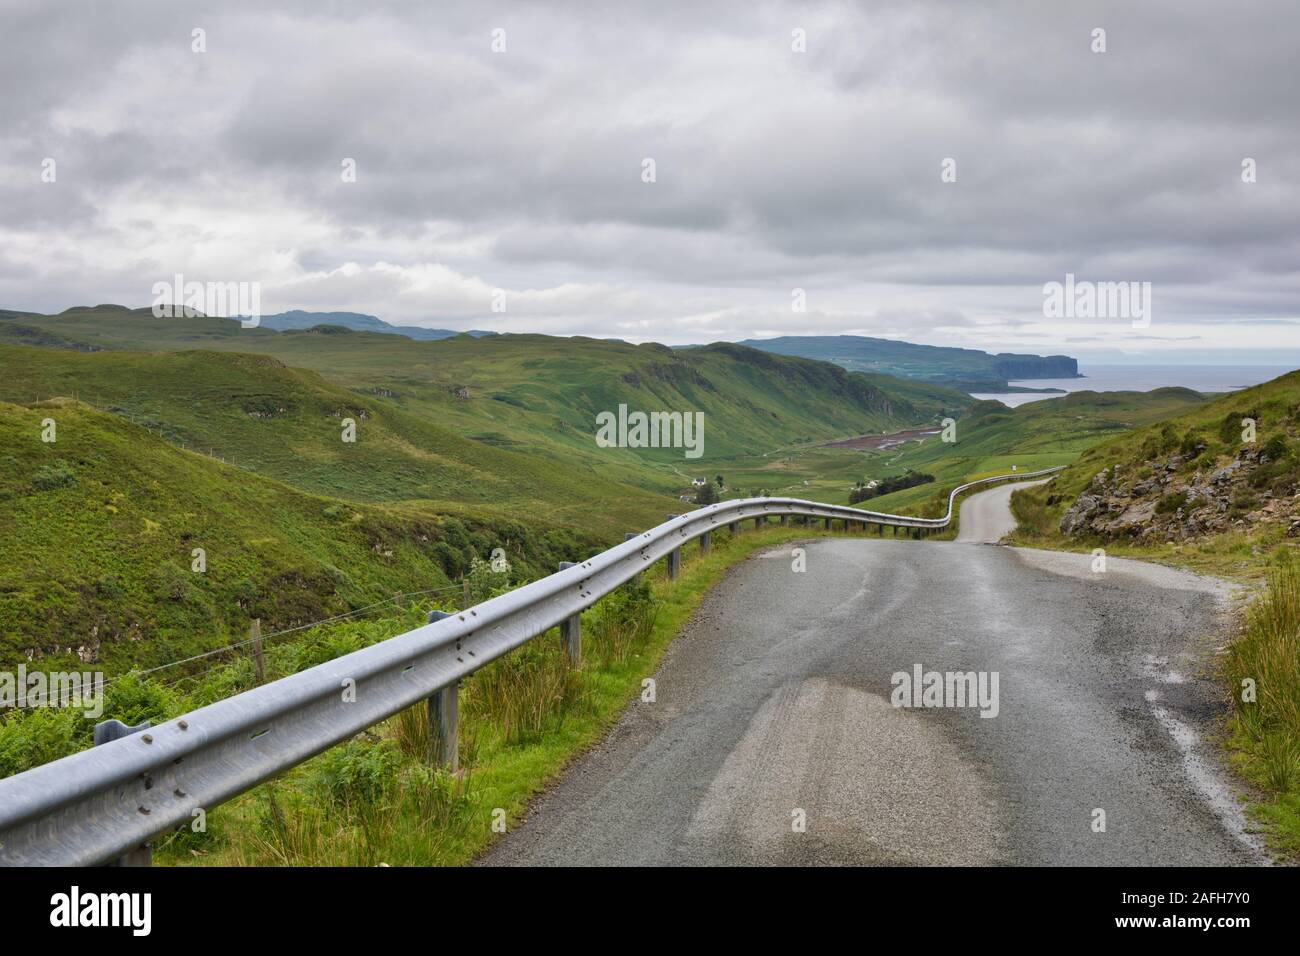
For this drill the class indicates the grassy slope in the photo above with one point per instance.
(542, 393)
(1246, 555)
(516, 463)
(286, 423)
(97, 528)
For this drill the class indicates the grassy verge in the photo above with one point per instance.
(1264, 729)
(375, 800)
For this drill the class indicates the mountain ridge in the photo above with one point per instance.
(967, 368)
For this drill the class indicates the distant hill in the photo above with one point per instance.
(298, 319)
(535, 392)
(13, 329)
(965, 368)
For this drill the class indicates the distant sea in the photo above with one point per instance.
(1143, 378)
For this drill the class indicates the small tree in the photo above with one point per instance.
(706, 495)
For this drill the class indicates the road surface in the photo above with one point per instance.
(985, 518)
(773, 710)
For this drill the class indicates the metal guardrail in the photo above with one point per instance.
(95, 805)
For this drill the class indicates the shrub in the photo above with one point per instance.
(356, 774)
(132, 699)
(58, 475)
(1230, 428)
(29, 738)
(1276, 448)
(1191, 445)
(1171, 502)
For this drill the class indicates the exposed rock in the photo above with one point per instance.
(1162, 504)
(1133, 519)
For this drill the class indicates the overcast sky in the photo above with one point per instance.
(775, 169)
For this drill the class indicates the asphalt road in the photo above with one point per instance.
(985, 518)
(774, 707)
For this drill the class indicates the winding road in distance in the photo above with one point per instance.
(773, 707)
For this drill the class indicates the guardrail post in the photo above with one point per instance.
(828, 524)
(571, 630)
(674, 562)
(760, 521)
(785, 520)
(444, 726)
(734, 527)
(443, 711)
(105, 731)
(704, 543)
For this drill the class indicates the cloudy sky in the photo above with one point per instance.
(775, 168)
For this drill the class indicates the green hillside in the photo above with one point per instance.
(98, 527)
(237, 447)
(541, 394)
(1189, 485)
(287, 423)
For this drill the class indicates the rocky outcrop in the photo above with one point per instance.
(1182, 497)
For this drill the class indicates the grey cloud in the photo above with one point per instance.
(522, 170)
